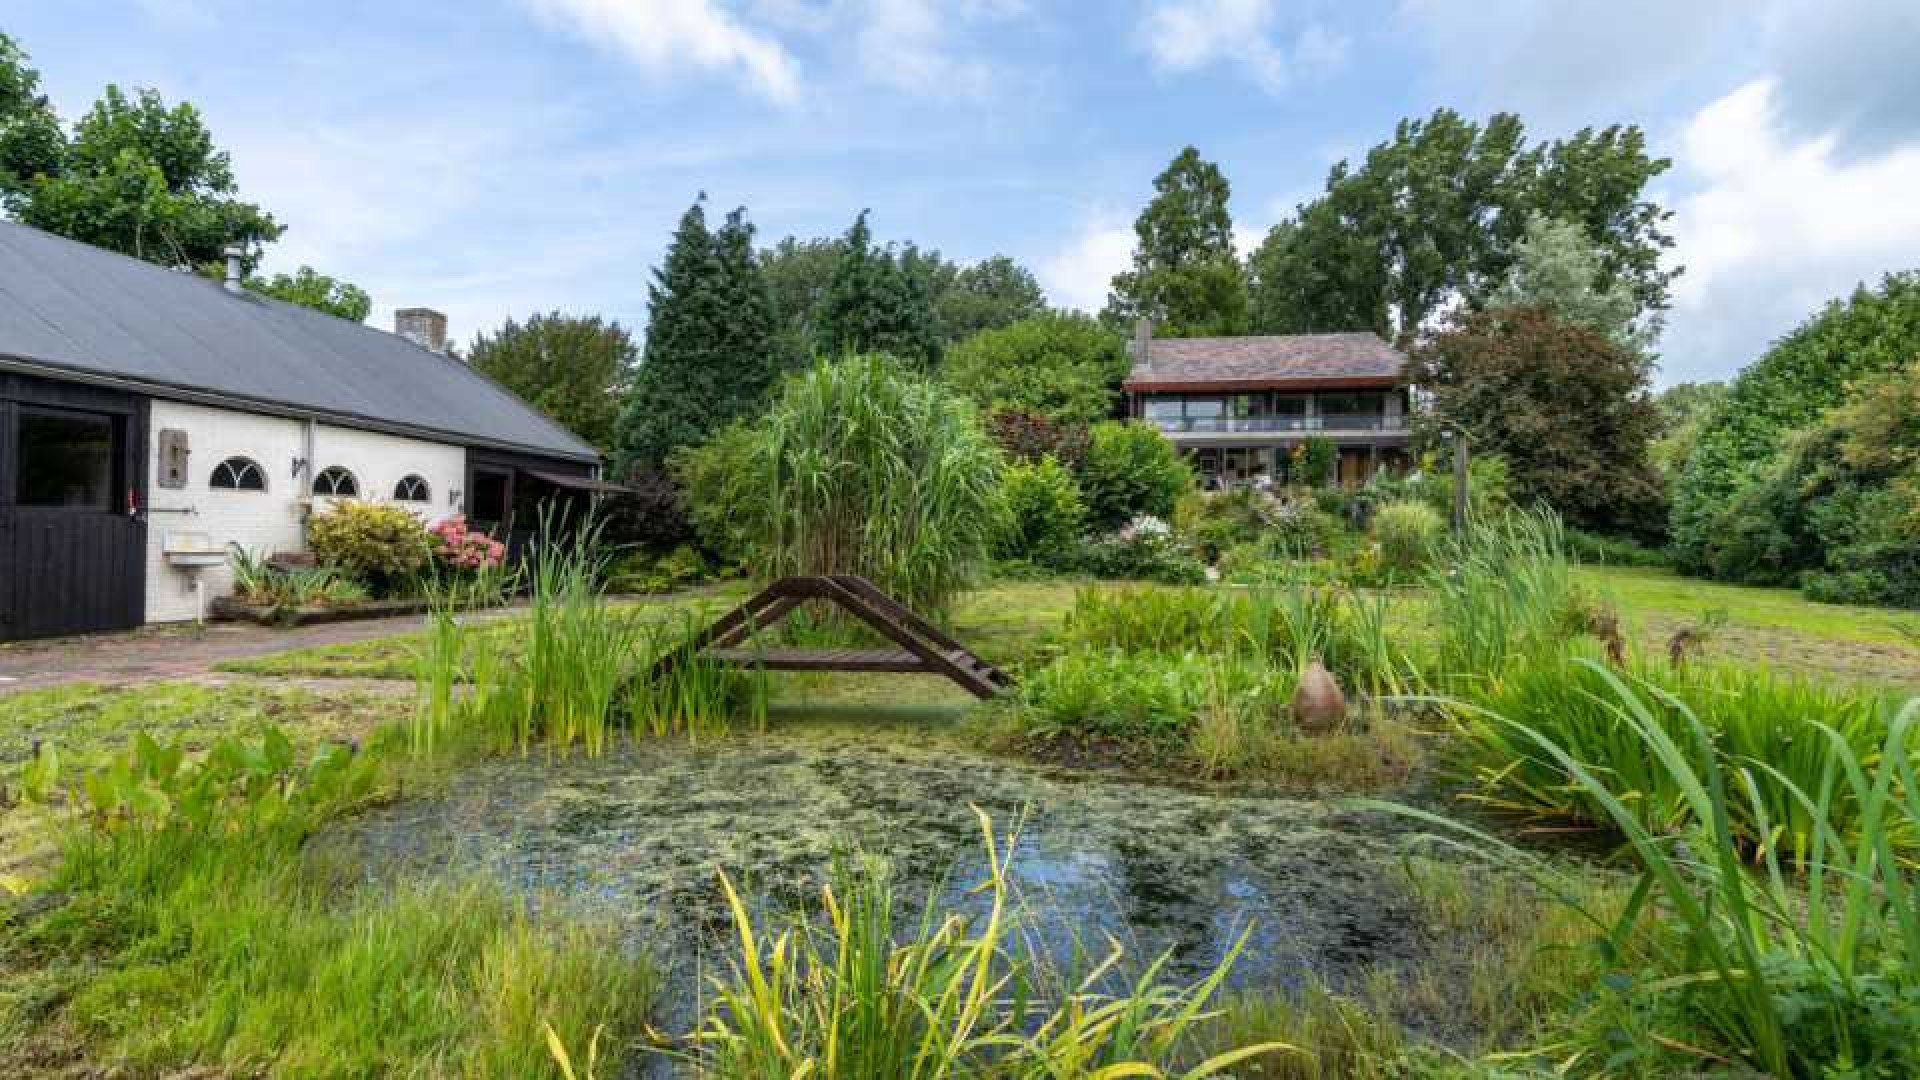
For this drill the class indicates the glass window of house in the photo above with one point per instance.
(1351, 404)
(1204, 414)
(238, 474)
(65, 459)
(336, 481)
(1163, 411)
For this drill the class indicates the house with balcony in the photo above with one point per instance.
(1243, 407)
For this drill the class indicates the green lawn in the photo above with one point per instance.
(1638, 589)
(1765, 626)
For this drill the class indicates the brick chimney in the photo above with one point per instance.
(424, 327)
(1143, 343)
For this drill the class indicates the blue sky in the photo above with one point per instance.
(500, 157)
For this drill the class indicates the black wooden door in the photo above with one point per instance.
(72, 552)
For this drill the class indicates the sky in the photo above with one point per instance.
(497, 158)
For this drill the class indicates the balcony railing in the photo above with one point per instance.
(1320, 422)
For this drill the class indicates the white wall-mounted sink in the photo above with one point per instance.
(191, 549)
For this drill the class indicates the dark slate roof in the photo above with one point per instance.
(1318, 358)
(69, 309)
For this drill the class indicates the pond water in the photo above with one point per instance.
(1160, 867)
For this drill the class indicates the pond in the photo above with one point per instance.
(1157, 866)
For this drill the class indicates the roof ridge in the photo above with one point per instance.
(126, 318)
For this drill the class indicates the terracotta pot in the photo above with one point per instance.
(1318, 704)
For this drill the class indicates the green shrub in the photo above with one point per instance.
(1597, 550)
(1839, 510)
(383, 546)
(703, 475)
(1431, 481)
(1107, 692)
(1408, 534)
(1212, 522)
(1062, 365)
(1812, 369)
(1044, 513)
(1313, 462)
(858, 467)
(1145, 550)
(1131, 470)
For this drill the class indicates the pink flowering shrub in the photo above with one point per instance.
(462, 548)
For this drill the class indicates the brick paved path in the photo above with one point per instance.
(169, 652)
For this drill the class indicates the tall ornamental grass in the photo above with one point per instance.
(859, 467)
(1808, 971)
(859, 994)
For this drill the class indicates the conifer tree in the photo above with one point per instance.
(876, 302)
(710, 351)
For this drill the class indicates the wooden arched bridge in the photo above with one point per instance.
(918, 646)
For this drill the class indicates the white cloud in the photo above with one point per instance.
(664, 35)
(1182, 35)
(1775, 227)
(902, 44)
(1078, 276)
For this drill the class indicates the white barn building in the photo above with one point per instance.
(146, 414)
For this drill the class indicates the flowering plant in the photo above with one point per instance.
(464, 548)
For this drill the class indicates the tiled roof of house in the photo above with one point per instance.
(75, 311)
(1315, 358)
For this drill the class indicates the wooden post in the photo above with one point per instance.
(1460, 492)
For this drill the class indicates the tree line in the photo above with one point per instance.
(1433, 240)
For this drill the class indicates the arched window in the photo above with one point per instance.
(239, 474)
(336, 481)
(412, 489)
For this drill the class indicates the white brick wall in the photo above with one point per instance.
(272, 520)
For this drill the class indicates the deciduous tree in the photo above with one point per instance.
(321, 292)
(1558, 267)
(30, 138)
(1064, 366)
(1434, 216)
(1567, 407)
(140, 177)
(1185, 274)
(573, 368)
(991, 293)
(1813, 369)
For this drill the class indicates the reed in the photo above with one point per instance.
(1501, 593)
(1286, 626)
(1788, 973)
(859, 995)
(1765, 728)
(696, 697)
